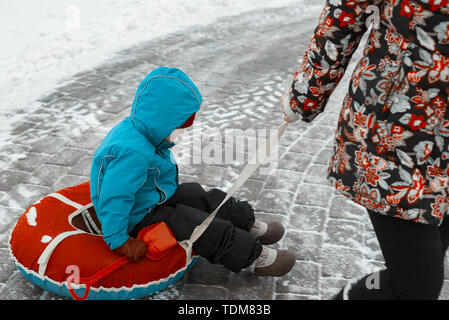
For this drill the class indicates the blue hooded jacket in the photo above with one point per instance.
(133, 169)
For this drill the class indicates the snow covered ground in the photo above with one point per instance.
(46, 41)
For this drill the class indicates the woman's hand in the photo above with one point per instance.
(286, 118)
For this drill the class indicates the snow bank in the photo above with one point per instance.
(46, 41)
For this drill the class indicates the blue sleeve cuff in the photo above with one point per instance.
(117, 240)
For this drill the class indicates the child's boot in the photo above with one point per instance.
(274, 263)
(267, 232)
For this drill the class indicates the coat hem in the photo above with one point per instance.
(386, 210)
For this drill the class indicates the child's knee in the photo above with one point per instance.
(242, 214)
(192, 188)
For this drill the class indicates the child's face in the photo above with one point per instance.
(174, 134)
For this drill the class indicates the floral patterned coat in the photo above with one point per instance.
(391, 145)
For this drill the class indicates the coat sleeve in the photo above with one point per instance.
(340, 28)
(123, 177)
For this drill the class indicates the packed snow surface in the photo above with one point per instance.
(46, 41)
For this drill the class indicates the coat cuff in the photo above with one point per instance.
(116, 240)
(294, 116)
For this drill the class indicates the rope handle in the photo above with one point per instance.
(88, 282)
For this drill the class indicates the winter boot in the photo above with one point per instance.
(267, 232)
(273, 263)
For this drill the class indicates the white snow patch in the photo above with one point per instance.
(367, 266)
(31, 216)
(44, 42)
(26, 193)
(46, 239)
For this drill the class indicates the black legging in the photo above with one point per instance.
(414, 260)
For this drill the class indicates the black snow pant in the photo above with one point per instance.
(227, 241)
(414, 261)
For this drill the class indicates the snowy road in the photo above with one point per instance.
(46, 41)
(239, 64)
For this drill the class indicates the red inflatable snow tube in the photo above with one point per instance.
(57, 245)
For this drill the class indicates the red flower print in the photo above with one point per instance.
(397, 129)
(294, 104)
(440, 70)
(345, 19)
(362, 159)
(368, 198)
(341, 167)
(435, 171)
(394, 39)
(417, 122)
(415, 76)
(393, 199)
(437, 4)
(414, 191)
(329, 21)
(418, 8)
(371, 176)
(356, 5)
(318, 90)
(439, 102)
(364, 71)
(340, 159)
(417, 190)
(349, 49)
(379, 163)
(350, 3)
(310, 104)
(419, 101)
(407, 9)
(341, 187)
(360, 119)
(440, 203)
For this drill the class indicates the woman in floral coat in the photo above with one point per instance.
(391, 150)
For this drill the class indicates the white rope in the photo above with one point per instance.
(92, 222)
(66, 200)
(252, 165)
(45, 256)
(86, 222)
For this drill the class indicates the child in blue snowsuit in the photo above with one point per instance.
(134, 183)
